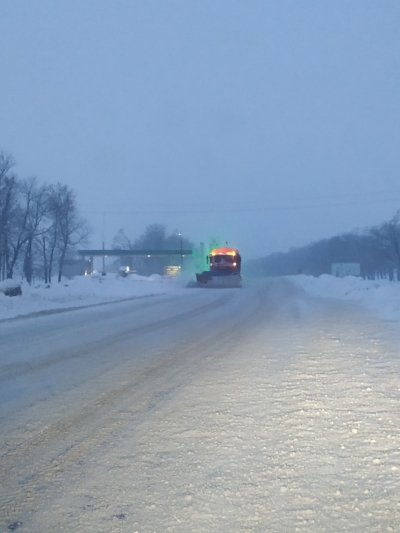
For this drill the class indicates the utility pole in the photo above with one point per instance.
(180, 235)
(104, 231)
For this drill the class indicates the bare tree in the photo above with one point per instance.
(36, 220)
(122, 242)
(34, 226)
(8, 193)
(7, 162)
(68, 228)
(388, 235)
(49, 238)
(25, 218)
(153, 238)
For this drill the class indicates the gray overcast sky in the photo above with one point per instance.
(267, 123)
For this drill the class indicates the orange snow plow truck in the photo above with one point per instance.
(224, 269)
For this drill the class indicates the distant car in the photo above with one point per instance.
(125, 271)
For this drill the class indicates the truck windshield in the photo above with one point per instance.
(222, 259)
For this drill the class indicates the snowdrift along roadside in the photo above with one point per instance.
(83, 291)
(380, 296)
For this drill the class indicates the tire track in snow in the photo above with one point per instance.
(41, 459)
(61, 310)
(20, 369)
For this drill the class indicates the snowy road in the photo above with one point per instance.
(254, 410)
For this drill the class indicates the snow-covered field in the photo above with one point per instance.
(82, 291)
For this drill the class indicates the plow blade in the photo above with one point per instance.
(218, 282)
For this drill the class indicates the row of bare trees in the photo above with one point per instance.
(376, 249)
(39, 225)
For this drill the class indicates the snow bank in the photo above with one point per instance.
(82, 291)
(381, 296)
(8, 284)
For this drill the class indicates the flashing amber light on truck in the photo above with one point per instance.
(226, 253)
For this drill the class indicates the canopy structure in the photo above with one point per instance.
(143, 253)
(131, 253)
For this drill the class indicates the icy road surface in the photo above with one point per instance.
(255, 410)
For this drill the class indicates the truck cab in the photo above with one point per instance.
(225, 259)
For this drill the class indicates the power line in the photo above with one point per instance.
(221, 209)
